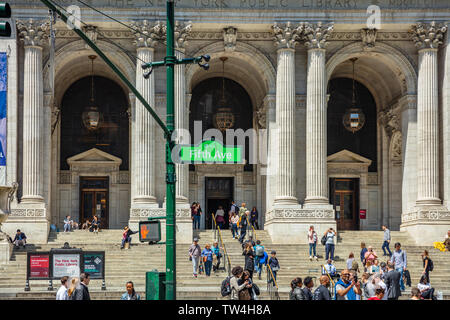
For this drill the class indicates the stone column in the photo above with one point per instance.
(31, 214)
(429, 220)
(316, 116)
(286, 37)
(143, 126)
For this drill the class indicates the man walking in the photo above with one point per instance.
(392, 281)
(243, 224)
(322, 292)
(399, 260)
(62, 291)
(386, 240)
(82, 293)
(194, 254)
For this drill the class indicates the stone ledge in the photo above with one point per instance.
(426, 214)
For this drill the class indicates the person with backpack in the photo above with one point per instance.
(207, 256)
(274, 265)
(312, 240)
(260, 257)
(243, 223)
(399, 259)
(427, 265)
(216, 251)
(251, 291)
(235, 288)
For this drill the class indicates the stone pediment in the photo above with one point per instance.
(94, 156)
(346, 157)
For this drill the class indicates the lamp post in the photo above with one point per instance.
(169, 61)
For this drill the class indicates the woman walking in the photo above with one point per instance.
(207, 256)
(74, 284)
(426, 265)
(235, 287)
(234, 219)
(296, 290)
(254, 218)
(249, 258)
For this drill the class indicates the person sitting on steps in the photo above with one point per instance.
(95, 224)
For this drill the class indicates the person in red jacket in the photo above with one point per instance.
(379, 294)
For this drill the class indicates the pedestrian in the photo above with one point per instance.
(330, 269)
(346, 288)
(20, 239)
(392, 280)
(307, 289)
(235, 287)
(415, 294)
(195, 214)
(234, 208)
(426, 291)
(427, 264)
(312, 240)
(259, 259)
(296, 292)
(379, 294)
(130, 294)
(194, 256)
(362, 254)
(351, 258)
(74, 284)
(234, 219)
(370, 255)
(254, 218)
(274, 265)
(220, 220)
(82, 292)
(249, 258)
(62, 291)
(399, 259)
(126, 237)
(207, 256)
(322, 292)
(243, 223)
(217, 255)
(329, 244)
(247, 292)
(386, 240)
(242, 209)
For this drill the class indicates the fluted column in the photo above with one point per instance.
(427, 38)
(34, 35)
(182, 30)
(316, 115)
(143, 128)
(286, 37)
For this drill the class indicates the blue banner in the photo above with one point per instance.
(3, 105)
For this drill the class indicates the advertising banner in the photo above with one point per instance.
(39, 266)
(94, 264)
(362, 213)
(66, 265)
(3, 109)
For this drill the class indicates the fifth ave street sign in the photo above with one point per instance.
(210, 152)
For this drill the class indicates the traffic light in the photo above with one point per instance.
(150, 231)
(5, 26)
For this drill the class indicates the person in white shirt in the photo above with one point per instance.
(62, 291)
(330, 269)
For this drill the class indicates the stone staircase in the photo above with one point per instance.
(125, 265)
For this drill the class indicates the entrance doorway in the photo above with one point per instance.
(94, 193)
(344, 195)
(218, 192)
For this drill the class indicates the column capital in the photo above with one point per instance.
(150, 33)
(428, 35)
(316, 35)
(182, 31)
(34, 33)
(285, 35)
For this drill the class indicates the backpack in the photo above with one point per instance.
(430, 265)
(323, 240)
(259, 251)
(225, 288)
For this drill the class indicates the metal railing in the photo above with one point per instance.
(331, 280)
(226, 257)
(253, 229)
(272, 286)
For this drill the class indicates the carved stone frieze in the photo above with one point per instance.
(430, 214)
(286, 35)
(306, 214)
(181, 33)
(428, 35)
(148, 34)
(27, 213)
(395, 150)
(158, 212)
(368, 37)
(390, 121)
(34, 32)
(315, 36)
(229, 38)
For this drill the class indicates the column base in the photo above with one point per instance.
(31, 219)
(290, 225)
(6, 249)
(426, 224)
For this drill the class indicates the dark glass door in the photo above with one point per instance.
(94, 200)
(344, 197)
(219, 192)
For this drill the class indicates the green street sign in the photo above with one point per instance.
(210, 152)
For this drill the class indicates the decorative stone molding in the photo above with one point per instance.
(124, 177)
(372, 178)
(408, 102)
(261, 117)
(300, 101)
(368, 36)
(229, 38)
(158, 212)
(306, 214)
(27, 213)
(430, 214)
(34, 32)
(395, 149)
(110, 34)
(285, 35)
(65, 178)
(150, 33)
(91, 32)
(316, 35)
(390, 120)
(428, 35)
(182, 30)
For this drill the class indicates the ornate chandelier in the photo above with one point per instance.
(91, 116)
(224, 117)
(354, 118)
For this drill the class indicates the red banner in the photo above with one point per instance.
(362, 213)
(39, 266)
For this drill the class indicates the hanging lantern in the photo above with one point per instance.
(224, 117)
(91, 117)
(354, 118)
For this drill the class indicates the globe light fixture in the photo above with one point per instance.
(91, 116)
(224, 117)
(354, 118)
